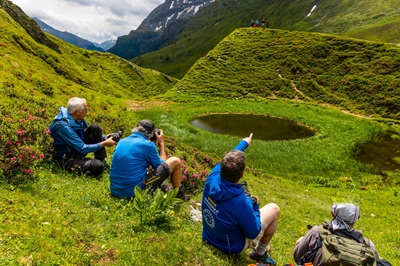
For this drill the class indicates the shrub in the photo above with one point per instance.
(26, 142)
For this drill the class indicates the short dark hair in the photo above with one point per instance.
(233, 165)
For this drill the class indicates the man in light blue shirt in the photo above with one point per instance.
(132, 158)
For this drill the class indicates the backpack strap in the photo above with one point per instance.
(323, 231)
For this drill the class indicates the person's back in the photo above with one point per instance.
(310, 247)
(130, 161)
(232, 220)
(236, 217)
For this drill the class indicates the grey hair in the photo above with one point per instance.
(142, 130)
(74, 104)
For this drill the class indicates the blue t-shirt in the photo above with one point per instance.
(130, 161)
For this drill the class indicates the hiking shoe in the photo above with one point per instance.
(166, 187)
(181, 195)
(262, 258)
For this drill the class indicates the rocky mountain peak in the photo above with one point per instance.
(170, 11)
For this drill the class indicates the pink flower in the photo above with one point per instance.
(22, 120)
(185, 172)
(9, 143)
(184, 177)
(22, 156)
(13, 159)
(28, 171)
(19, 132)
(41, 156)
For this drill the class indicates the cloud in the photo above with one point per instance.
(94, 20)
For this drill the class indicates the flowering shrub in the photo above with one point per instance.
(196, 165)
(25, 142)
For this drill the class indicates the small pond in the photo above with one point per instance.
(263, 127)
(384, 153)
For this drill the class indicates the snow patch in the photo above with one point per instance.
(312, 9)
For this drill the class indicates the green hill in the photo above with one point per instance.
(354, 75)
(369, 20)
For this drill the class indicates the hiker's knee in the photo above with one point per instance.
(174, 163)
(271, 210)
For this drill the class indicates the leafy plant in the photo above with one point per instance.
(26, 142)
(156, 208)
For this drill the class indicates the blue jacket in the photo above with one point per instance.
(130, 161)
(68, 136)
(229, 217)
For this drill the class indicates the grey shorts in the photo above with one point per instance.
(156, 177)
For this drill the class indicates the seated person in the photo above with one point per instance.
(132, 158)
(232, 221)
(73, 140)
(309, 247)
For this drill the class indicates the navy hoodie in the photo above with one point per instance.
(229, 217)
(68, 136)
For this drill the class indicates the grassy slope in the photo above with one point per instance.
(31, 71)
(370, 20)
(354, 75)
(62, 219)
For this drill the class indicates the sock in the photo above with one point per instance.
(261, 247)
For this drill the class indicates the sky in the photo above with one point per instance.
(93, 20)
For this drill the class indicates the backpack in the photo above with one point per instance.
(341, 251)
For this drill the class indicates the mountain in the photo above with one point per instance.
(68, 37)
(106, 44)
(369, 20)
(159, 28)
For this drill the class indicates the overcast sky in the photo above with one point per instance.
(93, 20)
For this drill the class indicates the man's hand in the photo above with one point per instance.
(257, 200)
(108, 142)
(160, 136)
(249, 138)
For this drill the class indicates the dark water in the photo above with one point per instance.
(263, 127)
(384, 153)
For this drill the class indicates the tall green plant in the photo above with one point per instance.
(156, 208)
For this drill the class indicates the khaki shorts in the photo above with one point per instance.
(252, 243)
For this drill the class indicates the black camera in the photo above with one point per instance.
(116, 136)
(155, 131)
(246, 191)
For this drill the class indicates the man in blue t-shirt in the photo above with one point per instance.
(132, 158)
(232, 220)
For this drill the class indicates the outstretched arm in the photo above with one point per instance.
(244, 143)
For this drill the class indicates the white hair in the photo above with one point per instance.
(74, 104)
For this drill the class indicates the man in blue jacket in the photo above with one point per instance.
(136, 162)
(232, 221)
(73, 139)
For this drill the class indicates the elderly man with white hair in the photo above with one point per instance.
(74, 139)
(309, 247)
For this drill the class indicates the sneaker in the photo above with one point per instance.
(166, 187)
(262, 258)
(181, 195)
